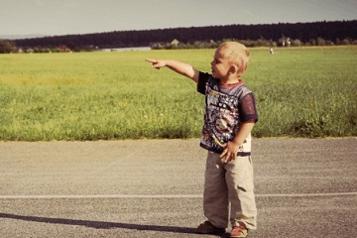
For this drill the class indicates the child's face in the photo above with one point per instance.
(221, 64)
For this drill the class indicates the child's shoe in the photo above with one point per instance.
(239, 231)
(207, 228)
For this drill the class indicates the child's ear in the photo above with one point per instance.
(234, 69)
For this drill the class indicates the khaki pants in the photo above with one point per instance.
(230, 183)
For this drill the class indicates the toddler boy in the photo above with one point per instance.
(228, 121)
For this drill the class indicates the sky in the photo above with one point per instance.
(60, 17)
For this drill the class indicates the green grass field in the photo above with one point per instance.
(309, 92)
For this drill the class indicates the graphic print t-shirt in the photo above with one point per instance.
(225, 108)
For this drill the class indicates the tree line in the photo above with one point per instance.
(281, 34)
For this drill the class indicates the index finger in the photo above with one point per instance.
(225, 151)
(150, 60)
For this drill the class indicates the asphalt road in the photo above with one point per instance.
(153, 188)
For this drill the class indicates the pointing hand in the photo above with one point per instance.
(157, 64)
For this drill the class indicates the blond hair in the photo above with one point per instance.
(237, 53)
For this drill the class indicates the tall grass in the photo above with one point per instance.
(306, 92)
(90, 96)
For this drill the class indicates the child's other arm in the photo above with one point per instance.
(177, 66)
(232, 147)
(244, 130)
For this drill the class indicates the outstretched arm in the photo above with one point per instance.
(177, 66)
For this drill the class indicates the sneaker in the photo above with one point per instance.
(207, 228)
(239, 231)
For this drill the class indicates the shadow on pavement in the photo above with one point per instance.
(101, 224)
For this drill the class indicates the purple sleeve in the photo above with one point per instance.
(247, 109)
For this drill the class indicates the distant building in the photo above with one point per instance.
(175, 42)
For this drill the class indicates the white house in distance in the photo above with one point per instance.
(175, 42)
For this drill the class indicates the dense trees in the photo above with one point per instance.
(7, 46)
(317, 33)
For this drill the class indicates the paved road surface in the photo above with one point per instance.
(152, 188)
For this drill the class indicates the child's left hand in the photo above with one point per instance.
(230, 152)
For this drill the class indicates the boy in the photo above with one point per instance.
(229, 118)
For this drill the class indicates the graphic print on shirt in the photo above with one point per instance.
(221, 118)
